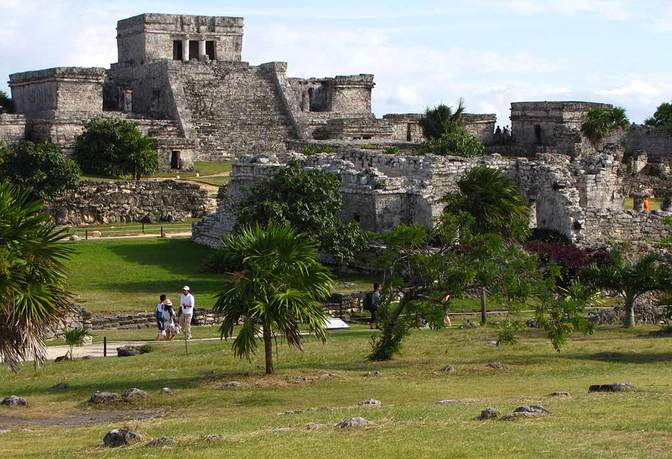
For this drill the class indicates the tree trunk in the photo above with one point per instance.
(388, 329)
(268, 349)
(629, 319)
(484, 307)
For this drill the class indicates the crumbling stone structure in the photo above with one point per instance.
(579, 198)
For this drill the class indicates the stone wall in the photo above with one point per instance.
(127, 321)
(109, 202)
(12, 128)
(656, 142)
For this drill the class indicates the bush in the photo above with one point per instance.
(457, 142)
(115, 148)
(40, 167)
(313, 149)
(6, 103)
(548, 235)
(392, 150)
(600, 122)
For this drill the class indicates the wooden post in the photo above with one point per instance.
(86, 235)
(104, 346)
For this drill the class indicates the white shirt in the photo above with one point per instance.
(187, 303)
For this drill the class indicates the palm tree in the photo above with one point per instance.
(441, 119)
(493, 204)
(274, 284)
(629, 279)
(600, 122)
(75, 337)
(33, 294)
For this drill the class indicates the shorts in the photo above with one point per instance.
(161, 324)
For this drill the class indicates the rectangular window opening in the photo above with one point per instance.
(210, 49)
(177, 50)
(175, 160)
(193, 49)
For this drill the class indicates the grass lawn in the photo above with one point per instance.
(654, 203)
(134, 228)
(130, 274)
(409, 424)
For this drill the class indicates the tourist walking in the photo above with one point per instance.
(371, 304)
(169, 326)
(186, 311)
(158, 312)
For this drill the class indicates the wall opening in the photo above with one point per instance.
(537, 134)
(177, 50)
(175, 160)
(210, 49)
(193, 49)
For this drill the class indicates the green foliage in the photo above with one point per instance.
(310, 201)
(456, 142)
(441, 119)
(115, 148)
(6, 103)
(313, 149)
(274, 285)
(41, 168)
(32, 277)
(75, 337)
(662, 116)
(445, 134)
(629, 278)
(492, 201)
(392, 150)
(600, 122)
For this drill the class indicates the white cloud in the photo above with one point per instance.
(611, 9)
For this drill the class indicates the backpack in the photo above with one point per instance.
(368, 302)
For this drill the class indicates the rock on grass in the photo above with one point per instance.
(370, 402)
(100, 398)
(134, 394)
(615, 387)
(14, 400)
(121, 437)
(356, 421)
(161, 441)
(489, 413)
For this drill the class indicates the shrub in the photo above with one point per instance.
(441, 119)
(392, 150)
(115, 148)
(6, 103)
(40, 167)
(313, 149)
(457, 142)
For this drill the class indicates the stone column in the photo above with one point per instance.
(201, 49)
(185, 50)
(638, 201)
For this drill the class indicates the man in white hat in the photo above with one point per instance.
(186, 311)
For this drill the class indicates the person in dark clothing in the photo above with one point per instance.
(371, 304)
(158, 312)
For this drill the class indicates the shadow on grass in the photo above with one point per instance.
(627, 357)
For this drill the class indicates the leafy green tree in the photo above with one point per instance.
(274, 284)
(491, 205)
(445, 134)
(40, 167)
(6, 103)
(662, 116)
(600, 122)
(115, 148)
(33, 293)
(75, 337)
(630, 279)
(310, 201)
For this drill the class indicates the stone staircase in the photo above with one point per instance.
(235, 110)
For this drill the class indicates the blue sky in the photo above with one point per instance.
(490, 52)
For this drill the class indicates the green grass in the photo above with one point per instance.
(203, 168)
(654, 203)
(130, 274)
(134, 228)
(409, 424)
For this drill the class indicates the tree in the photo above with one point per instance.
(662, 116)
(75, 337)
(491, 205)
(114, 148)
(629, 278)
(33, 293)
(41, 168)
(445, 134)
(310, 201)
(6, 103)
(600, 122)
(274, 284)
